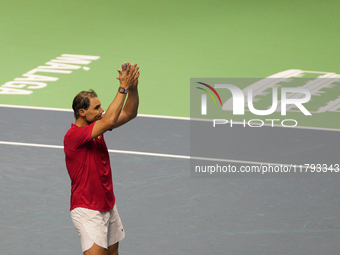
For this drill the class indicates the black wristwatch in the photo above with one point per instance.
(123, 90)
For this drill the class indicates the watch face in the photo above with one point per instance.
(122, 90)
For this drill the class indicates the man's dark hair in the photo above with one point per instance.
(82, 101)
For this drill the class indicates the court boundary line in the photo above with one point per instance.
(160, 117)
(153, 154)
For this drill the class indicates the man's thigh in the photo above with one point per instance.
(113, 249)
(99, 232)
(96, 250)
(91, 226)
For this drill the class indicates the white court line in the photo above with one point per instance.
(158, 117)
(154, 154)
(36, 108)
(32, 145)
(70, 110)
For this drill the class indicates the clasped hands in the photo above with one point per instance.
(128, 76)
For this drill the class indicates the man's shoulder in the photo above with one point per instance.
(71, 130)
(78, 133)
(75, 129)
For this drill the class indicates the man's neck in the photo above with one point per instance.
(81, 122)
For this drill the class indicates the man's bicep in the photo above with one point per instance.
(122, 119)
(100, 127)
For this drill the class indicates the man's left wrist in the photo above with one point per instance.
(123, 90)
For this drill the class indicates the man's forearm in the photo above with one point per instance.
(131, 104)
(113, 111)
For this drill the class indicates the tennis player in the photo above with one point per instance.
(93, 209)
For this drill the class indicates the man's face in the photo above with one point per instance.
(94, 112)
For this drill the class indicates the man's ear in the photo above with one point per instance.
(81, 112)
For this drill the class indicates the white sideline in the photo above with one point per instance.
(151, 154)
(156, 116)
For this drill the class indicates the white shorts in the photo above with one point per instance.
(102, 228)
